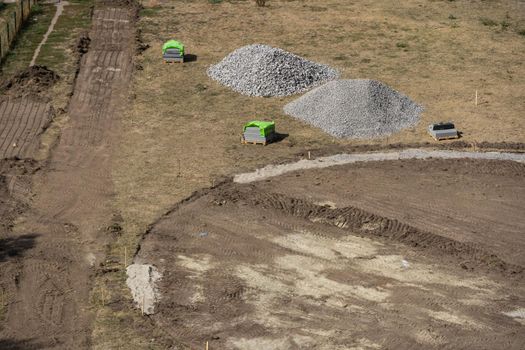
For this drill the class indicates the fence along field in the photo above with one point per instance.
(11, 22)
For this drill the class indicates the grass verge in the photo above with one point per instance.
(27, 40)
(58, 53)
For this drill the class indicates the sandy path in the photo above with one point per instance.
(341, 159)
(72, 207)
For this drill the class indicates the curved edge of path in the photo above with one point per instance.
(348, 158)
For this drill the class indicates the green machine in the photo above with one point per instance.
(173, 51)
(258, 132)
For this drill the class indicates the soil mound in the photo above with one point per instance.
(32, 80)
(83, 43)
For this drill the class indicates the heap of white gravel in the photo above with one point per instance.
(357, 109)
(261, 70)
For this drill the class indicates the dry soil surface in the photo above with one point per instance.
(48, 287)
(21, 122)
(465, 200)
(362, 256)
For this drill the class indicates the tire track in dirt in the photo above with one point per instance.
(447, 197)
(264, 272)
(368, 224)
(72, 206)
(21, 123)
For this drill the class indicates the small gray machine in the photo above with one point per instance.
(443, 131)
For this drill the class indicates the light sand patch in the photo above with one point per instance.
(256, 278)
(328, 204)
(304, 276)
(301, 277)
(473, 302)
(518, 315)
(260, 343)
(310, 281)
(392, 266)
(426, 336)
(307, 243)
(198, 296)
(455, 319)
(362, 344)
(340, 302)
(197, 263)
(295, 342)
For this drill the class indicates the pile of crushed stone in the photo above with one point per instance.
(261, 70)
(357, 109)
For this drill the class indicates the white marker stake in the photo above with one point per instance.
(476, 97)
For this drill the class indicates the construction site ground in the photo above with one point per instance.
(363, 256)
(422, 254)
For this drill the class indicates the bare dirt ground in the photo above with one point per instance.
(464, 200)
(295, 263)
(49, 287)
(21, 122)
(24, 112)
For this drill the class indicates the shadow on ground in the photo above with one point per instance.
(14, 247)
(278, 137)
(26, 344)
(190, 58)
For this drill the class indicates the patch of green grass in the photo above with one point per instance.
(402, 45)
(56, 52)
(521, 32)
(504, 25)
(149, 12)
(452, 17)
(28, 39)
(37, 9)
(214, 1)
(488, 22)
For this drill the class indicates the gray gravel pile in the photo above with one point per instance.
(261, 70)
(358, 109)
